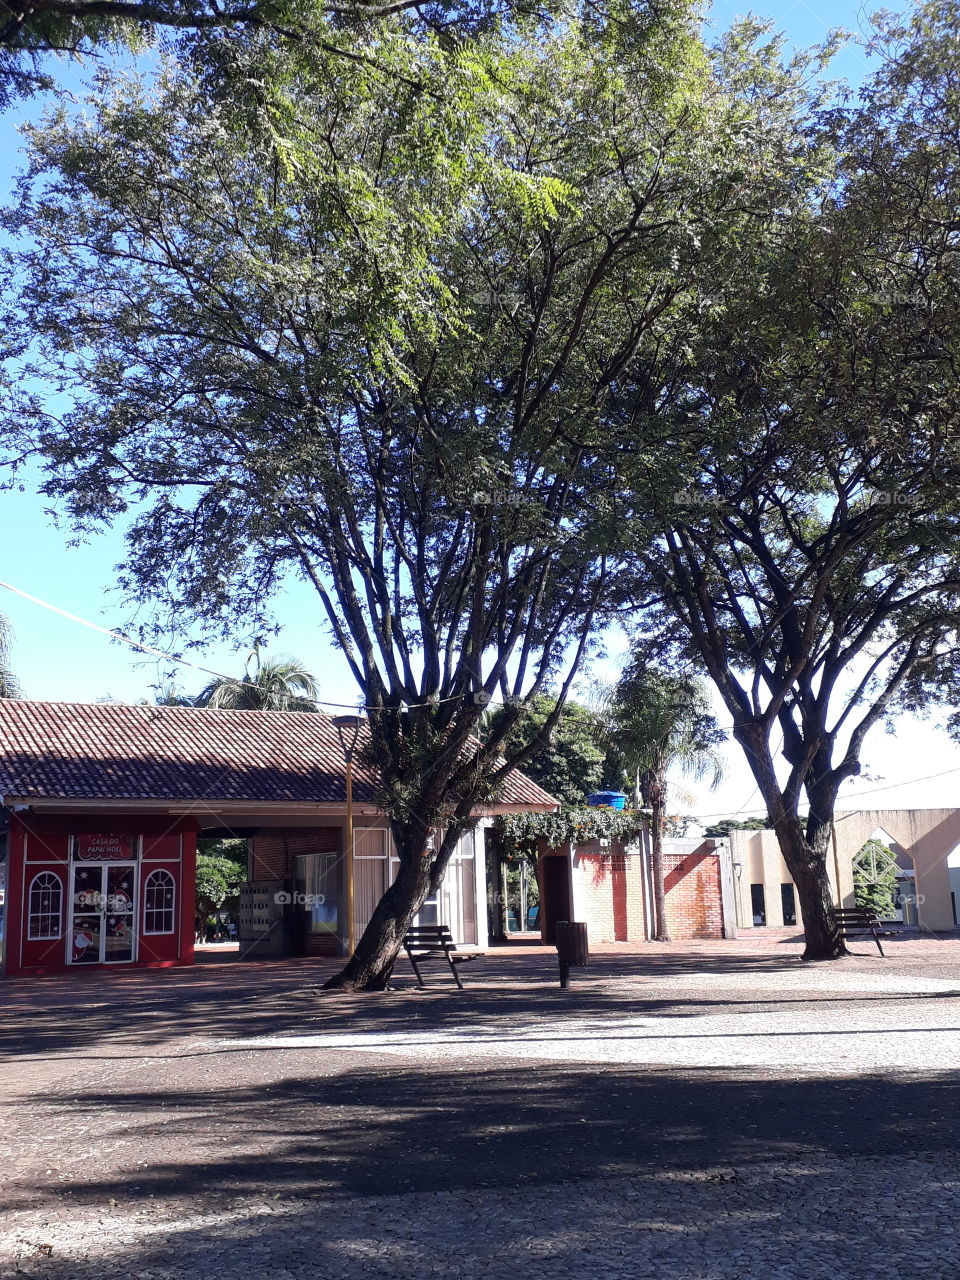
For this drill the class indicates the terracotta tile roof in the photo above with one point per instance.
(107, 751)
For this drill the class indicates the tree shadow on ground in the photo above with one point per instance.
(430, 1133)
(375, 1132)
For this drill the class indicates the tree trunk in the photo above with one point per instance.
(370, 966)
(661, 932)
(805, 858)
(808, 866)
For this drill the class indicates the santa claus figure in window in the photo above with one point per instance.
(119, 900)
(83, 939)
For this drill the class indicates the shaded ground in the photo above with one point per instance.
(145, 1135)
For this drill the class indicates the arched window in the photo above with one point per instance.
(44, 920)
(159, 902)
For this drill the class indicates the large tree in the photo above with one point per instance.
(367, 336)
(808, 551)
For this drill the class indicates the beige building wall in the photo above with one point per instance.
(926, 836)
(757, 860)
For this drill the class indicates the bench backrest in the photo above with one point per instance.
(855, 916)
(428, 937)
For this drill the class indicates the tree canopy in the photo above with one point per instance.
(807, 552)
(723, 828)
(214, 34)
(367, 334)
(574, 760)
(404, 325)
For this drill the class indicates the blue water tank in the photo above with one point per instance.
(608, 800)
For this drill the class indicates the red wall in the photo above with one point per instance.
(40, 843)
(694, 904)
(611, 894)
(274, 850)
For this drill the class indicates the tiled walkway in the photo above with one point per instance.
(693, 1112)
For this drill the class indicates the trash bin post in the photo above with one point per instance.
(572, 948)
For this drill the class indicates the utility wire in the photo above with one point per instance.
(209, 671)
(185, 662)
(891, 786)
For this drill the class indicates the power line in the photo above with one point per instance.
(318, 702)
(185, 662)
(891, 786)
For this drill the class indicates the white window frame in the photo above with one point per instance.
(48, 914)
(149, 910)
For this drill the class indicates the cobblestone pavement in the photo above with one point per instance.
(691, 1112)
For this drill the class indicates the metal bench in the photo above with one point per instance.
(861, 922)
(435, 942)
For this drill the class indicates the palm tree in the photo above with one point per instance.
(276, 684)
(661, 722)
(9, 684)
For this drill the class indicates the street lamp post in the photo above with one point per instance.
(348, 730)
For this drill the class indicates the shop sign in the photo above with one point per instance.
(104, 848)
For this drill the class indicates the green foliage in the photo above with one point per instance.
(277, 684)
(397, 322)
(364, 362)
(659, 721)
(222, 38)
(518, 833)
(726, 825)
(9, 684)
(875, 878)
(570, 762)
(232, 848)
(218, 883)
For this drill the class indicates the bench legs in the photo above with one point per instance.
(416, 969)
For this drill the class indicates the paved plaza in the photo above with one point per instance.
(691, 1111)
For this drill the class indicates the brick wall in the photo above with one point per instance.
(692, 884)
(612, 895)
(609, 894)
(275, 848)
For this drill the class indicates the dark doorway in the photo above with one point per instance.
(557, 901)
(788, 901)
(758, 904)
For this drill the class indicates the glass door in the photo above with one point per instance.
(316, 898)
(102, 919)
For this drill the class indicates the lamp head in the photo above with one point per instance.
(348, 730)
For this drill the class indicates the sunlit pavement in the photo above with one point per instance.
(698, 1111)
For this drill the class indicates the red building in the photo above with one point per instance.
(102, 889)
(105, 804)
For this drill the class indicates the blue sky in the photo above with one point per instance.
(58, 659)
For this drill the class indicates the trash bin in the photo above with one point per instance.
(572, 948)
